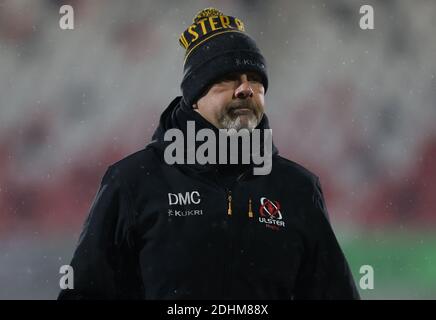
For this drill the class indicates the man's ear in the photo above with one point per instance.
(194, 106)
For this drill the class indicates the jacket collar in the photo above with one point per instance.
(176, 115)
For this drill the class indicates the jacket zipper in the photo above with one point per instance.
(229, 202)
(229, 269)
(229, 205)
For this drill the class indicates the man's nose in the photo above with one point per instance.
(244, 90)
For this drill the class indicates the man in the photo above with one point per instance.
(210, 231)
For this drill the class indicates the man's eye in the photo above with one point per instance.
(230, 78)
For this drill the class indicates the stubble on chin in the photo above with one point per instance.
(229, 120)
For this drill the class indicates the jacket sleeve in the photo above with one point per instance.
(105, 262)
(324, 272)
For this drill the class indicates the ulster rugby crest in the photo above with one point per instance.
(270, 214)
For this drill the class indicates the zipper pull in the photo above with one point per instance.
(229, 201)
(250, 212)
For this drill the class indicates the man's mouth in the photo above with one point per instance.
(241, 111)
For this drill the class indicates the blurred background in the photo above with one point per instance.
(357, 107)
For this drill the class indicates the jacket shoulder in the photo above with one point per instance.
(144, 160)
(294, 170)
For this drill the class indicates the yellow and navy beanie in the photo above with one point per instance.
(215, 45)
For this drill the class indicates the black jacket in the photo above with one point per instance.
(159, 231)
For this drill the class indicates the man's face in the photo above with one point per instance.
(234, 101)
